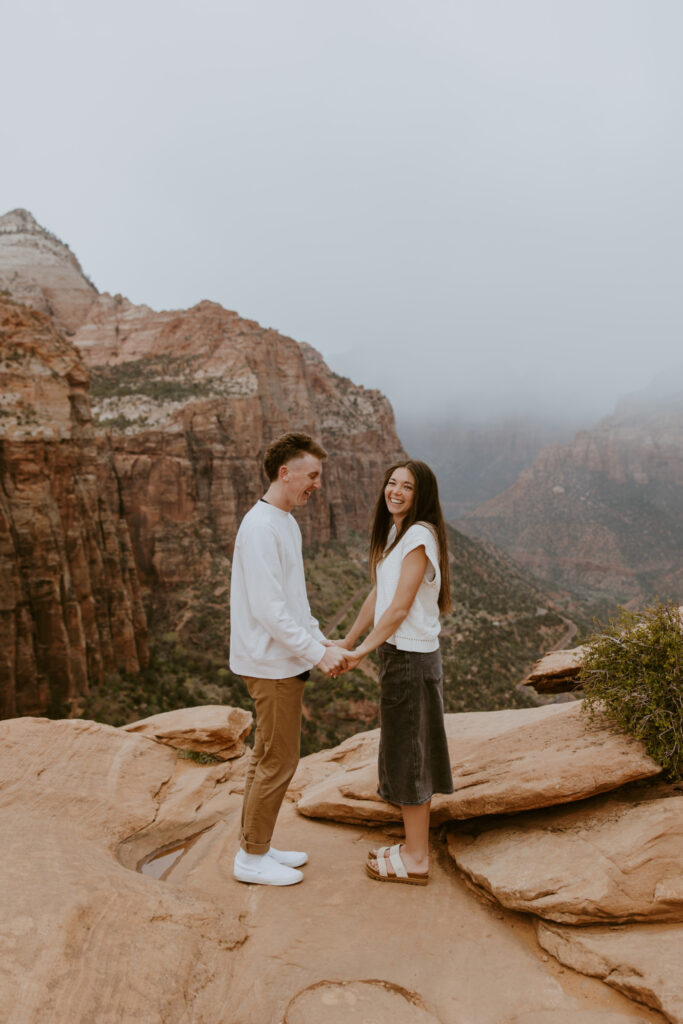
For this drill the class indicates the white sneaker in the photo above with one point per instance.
(292, 858)
(267, 872)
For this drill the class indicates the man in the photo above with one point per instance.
(274, 642)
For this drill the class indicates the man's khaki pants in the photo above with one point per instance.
(274, 757)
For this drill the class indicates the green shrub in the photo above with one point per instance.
(633, 676)
(199, 757)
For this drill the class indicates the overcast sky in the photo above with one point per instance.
(474, 203)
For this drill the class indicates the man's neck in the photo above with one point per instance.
(274, 496)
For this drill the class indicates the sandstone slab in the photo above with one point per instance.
(502, 762)
(85, 938)
(611, 859)
(209, 729)
(644, 962)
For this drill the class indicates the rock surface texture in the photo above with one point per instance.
(70, 601)
(611, 859)
(644, 962)
(502, 761)
(87, 938)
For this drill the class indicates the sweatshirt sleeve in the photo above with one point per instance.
(265, 594)
(317, 631)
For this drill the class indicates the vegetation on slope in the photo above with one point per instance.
(500, 623)
(633, 677)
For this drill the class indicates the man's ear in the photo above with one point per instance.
(283, 473)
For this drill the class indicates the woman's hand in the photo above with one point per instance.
(345, 643)
(354, 658)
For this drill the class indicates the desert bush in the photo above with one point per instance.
(633, 677)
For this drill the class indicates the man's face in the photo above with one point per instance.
(301, 476)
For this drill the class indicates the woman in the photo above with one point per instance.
(409, 564)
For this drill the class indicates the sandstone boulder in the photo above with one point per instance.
(611, 859)
(645, 962)
(210, 729)
(502, 761)
(557, 671)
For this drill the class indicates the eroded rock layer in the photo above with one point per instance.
(70, 604)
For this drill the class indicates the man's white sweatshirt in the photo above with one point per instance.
(272, 632)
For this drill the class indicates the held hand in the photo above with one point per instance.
(333, 661)
(345, 643)
(353, 659)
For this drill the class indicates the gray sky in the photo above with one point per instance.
(474, 203)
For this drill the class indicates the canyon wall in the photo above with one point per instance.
(602, 514)
(70, 604)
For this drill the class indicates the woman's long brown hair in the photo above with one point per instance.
(425, 508)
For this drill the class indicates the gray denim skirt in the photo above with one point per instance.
(414, 762)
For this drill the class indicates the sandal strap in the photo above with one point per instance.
(396, 862)
(382, 866)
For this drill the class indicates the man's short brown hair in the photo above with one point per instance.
(287, 447)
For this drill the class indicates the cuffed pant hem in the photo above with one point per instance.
(254, 848)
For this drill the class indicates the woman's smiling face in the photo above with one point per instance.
(399, 493)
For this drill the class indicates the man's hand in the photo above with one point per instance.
(333, 661)
(353, 660)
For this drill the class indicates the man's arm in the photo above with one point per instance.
(266, 597)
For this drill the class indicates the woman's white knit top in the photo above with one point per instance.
(420, 629)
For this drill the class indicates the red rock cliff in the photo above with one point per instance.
(189, 400)
(70, 605)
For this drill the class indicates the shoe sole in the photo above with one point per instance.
(292, 864)
(267, 881)
(410, 880)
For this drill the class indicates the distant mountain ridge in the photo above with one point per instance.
(475, 461)
(602, 515)
(38, 269)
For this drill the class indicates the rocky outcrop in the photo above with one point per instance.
(557, 671)
(607, 860)
(40, 271)
(212, 729)
(602, 514)
(70, 606)
(502, 761)
(644, 962)
(87, 937)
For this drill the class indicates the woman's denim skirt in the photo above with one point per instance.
(413, 752)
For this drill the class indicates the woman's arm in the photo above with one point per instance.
(364, 620)
(412, 573)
